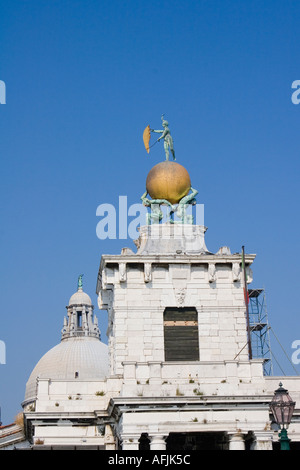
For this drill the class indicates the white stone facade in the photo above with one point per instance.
(223, 391)
(220, 400)
(136, 289)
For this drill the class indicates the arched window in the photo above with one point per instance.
(181, 339)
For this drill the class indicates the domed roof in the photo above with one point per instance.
(80, 297)
(86, 356)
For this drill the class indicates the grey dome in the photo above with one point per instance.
(85, 355)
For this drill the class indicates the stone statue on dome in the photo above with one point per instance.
(79, 284)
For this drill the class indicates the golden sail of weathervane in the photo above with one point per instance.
(146, 138)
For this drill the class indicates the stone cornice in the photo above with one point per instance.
(181, 259)
(163, 259)
(155, 404)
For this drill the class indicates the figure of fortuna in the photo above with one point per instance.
(166, 135)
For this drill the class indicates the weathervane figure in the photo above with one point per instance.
(166, 135)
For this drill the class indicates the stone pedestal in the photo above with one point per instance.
(171, 239)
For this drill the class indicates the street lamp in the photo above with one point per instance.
(282, 407)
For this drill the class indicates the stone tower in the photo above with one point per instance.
(178, 337)
(173, 300)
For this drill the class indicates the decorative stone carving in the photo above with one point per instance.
(211, 272)
(137, 242)
(147, 272)
(122, 272)
(236, 272)
(126, 251)
(249, 274)
(180, 296)
(224, 250)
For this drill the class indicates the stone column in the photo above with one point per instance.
(262, 440)
(236, 441)
(109, 438)
(130, 442)
(158, 442)
(73, 325)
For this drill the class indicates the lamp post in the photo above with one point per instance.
(282, 407)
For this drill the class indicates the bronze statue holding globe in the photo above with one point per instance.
(168, 183)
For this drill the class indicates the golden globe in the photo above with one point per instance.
(168, 180)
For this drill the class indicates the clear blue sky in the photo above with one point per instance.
(83, 79)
